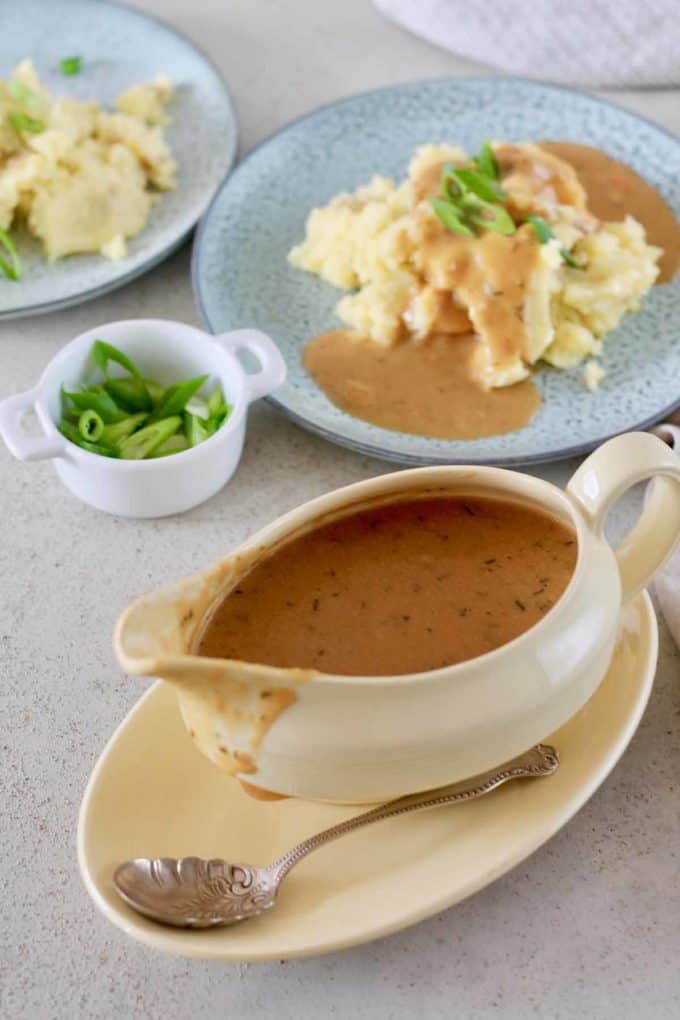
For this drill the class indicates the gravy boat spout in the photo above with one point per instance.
(227, 706)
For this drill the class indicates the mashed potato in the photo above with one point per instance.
(385, 244)
(81, 178)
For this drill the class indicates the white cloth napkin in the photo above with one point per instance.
(612, 43)
(667, 582)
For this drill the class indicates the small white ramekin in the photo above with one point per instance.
(168, 352)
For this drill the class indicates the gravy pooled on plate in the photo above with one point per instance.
(399, 588)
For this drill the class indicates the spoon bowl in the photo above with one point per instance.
(195, 893)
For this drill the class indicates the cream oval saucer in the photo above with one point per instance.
(153, 794)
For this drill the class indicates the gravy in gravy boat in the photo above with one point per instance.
(402, 588)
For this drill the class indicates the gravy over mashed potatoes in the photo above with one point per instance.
(81, 178)
(495, 303)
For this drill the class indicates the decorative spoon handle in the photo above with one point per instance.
(541, 760)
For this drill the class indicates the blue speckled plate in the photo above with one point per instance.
(241, 276)
(119, 47)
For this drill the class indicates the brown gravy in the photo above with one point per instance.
(424, 389)
(614, 190)
(491, 278)
(396, 589)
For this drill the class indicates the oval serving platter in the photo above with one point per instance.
(153, 793)
(119, 47)
(241, 276)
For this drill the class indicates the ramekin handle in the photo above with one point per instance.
(605, 476)
(272, 372)
(22, 445)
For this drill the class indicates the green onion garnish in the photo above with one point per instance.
(569, 259)
(176, 397)
(130, 393)
(541, 228)
(175, 444)
(95, 398)
(471, 200)
(145, 442)
(71, 65)
(478, 184)
(119, 430)
(102, 353)
(215, 402)
(544, 234)
(23, 93)
(90, 426)
(450, 216)
(490, 216)
(22, 122)
(71, 432)
(12, 268)
(164, 421)
(486, 161)
(155, 391)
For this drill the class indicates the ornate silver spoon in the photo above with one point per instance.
(195, 893)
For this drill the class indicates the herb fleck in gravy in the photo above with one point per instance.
(401, 588)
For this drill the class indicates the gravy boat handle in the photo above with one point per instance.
(605, 476)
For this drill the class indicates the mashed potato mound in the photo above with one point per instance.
(81, 178)
(372, 243)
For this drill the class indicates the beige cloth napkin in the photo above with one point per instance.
(612, 43)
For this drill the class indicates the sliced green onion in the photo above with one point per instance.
(198, 407)
(73, 435)
(218, 420)
(484, 187)
(541, 228)
(215, 401)
(471, 199)
(195, 430)
(114, 434)
(22, 122)
(447, 214)
(486, 161)
(175, 444)
(71, 65)
(96, 399)
(489, 216)
(23, 93)
(133, 417)
(102, 353)
(12, 268)
(131, 394)
(143, 443)
(90, 425)
(155, 391)
(545, 234)
(450, 187)
(569, 259)
(176, 397)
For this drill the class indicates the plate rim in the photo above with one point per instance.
(373, 449)
(167, 941)
(24, 311)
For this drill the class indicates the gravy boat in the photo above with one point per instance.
(308, 734)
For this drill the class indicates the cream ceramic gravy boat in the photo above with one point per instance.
(360, 739)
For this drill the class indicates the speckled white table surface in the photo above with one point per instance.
(588, 927)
